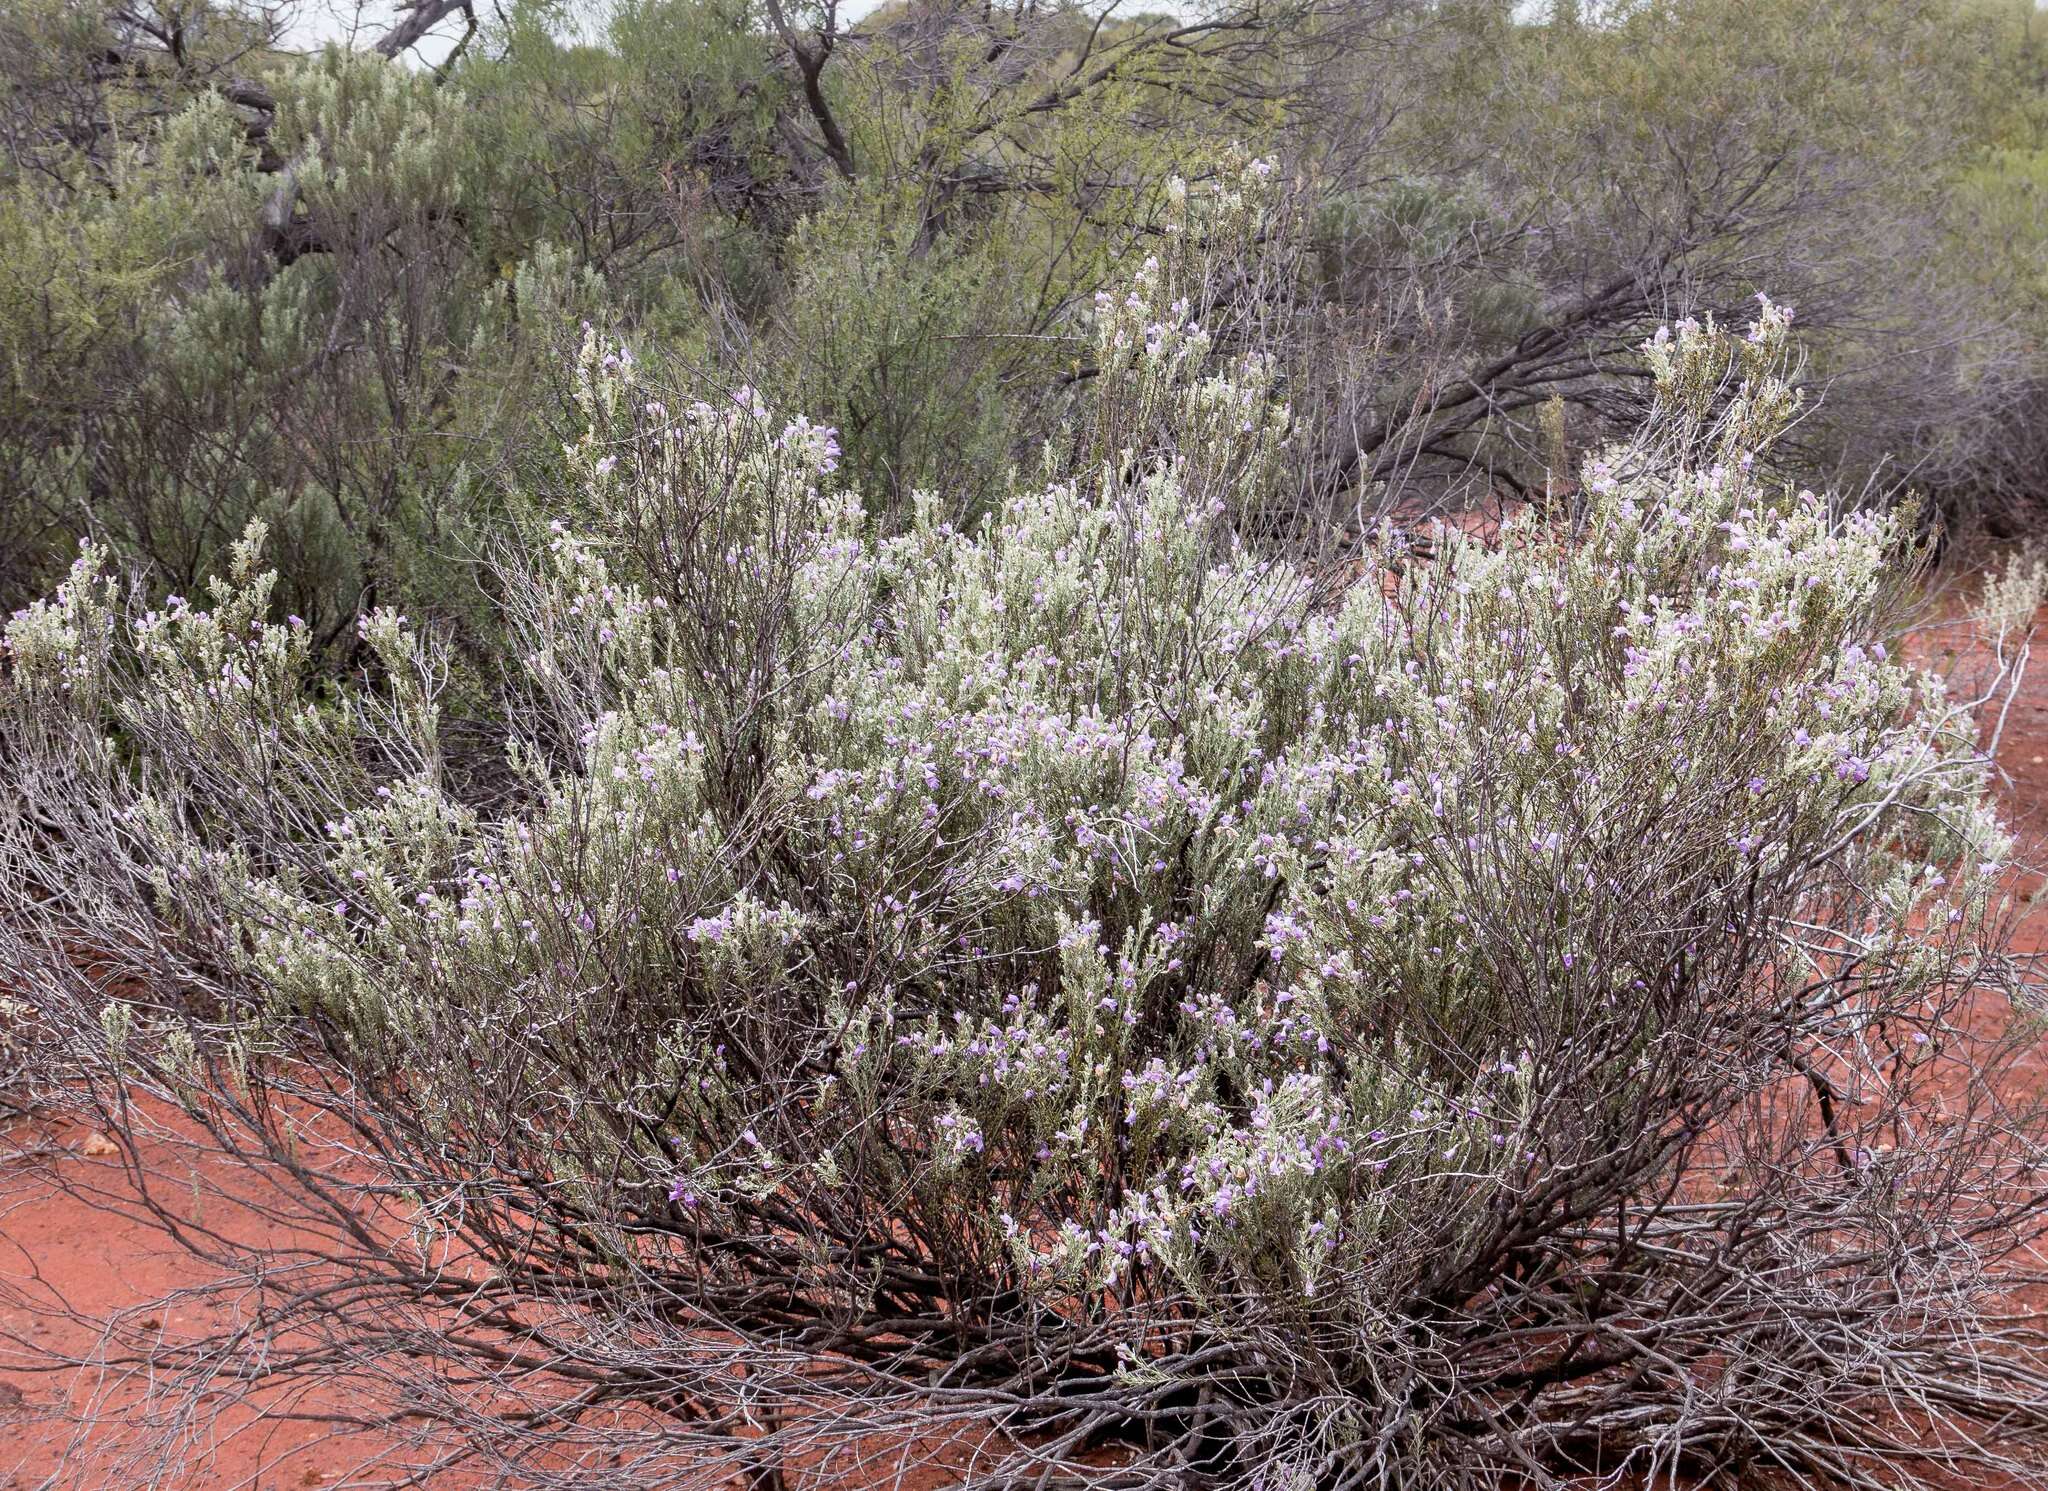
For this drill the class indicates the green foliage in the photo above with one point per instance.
(883, 333)
(1562, 185)
(331, 291)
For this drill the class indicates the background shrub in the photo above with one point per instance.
(331, 291)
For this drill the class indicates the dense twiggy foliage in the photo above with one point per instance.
(1071, 994)
(325, 290)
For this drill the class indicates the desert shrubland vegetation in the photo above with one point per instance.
(336, 292)
(1057, 748)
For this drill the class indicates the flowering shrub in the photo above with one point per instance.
(1079, 980)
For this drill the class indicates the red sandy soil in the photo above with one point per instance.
(65, 1260)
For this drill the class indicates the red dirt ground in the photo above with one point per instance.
(58, 1249)
(59, 1255)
